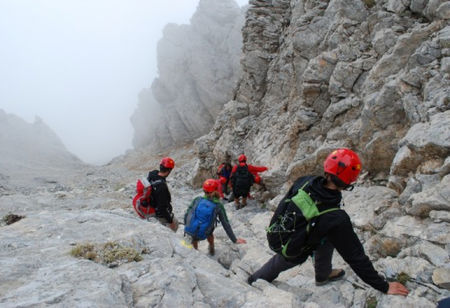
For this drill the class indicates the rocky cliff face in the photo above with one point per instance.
(317, 75)
(322, 74)
(373, 76)
(198, 69)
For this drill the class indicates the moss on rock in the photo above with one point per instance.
(107, 253)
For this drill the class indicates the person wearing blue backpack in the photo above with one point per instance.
(203, 214)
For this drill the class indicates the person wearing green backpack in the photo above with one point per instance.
(299, 230)
(203, 214)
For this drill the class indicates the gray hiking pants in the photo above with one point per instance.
(277, 264)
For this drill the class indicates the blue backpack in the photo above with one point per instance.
(200, 218)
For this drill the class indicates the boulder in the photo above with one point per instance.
(436, 198)
(365, 204)
(441, 277)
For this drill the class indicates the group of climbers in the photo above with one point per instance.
(239, 179)
(307, 222)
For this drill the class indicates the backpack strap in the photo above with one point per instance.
(138, 209)
(159, 181)
(303, 186)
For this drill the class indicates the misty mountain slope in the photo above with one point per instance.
(38, 270)
(316, 75)
(31, 150)
(198, 67)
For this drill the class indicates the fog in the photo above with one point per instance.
(80, 65)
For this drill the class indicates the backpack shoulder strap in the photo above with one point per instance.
(194, 203)
(155, 182)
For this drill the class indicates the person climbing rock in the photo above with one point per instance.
(202, 215)
(242, 178)
(224, 174)
(160, 196)
(330, 229)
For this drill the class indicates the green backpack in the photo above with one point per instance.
(289, 227)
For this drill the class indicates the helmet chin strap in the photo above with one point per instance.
(349, 187)
(339, 183)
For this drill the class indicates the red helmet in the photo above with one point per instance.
(167, 162)
(210, 185)
(242, 158)
(343, 163)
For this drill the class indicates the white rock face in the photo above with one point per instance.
(323, 75)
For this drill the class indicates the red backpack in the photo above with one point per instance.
(141, 202)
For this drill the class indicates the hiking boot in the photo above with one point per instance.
(212, 251)
(237, 205)
(335, 274)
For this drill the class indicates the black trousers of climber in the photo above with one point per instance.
(277, 264)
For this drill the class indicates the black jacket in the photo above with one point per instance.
(160, 197)
(337, 228)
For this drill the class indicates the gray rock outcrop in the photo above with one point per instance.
(198, 68)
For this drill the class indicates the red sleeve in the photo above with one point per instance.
(234, 169)
(219, 188)
(255, 169)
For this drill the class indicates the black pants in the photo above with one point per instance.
(277, 264)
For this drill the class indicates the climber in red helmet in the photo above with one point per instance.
(160, 196)
(242, 178)
(329, 230)
(202, 215)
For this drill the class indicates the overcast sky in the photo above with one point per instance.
(80, 64)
